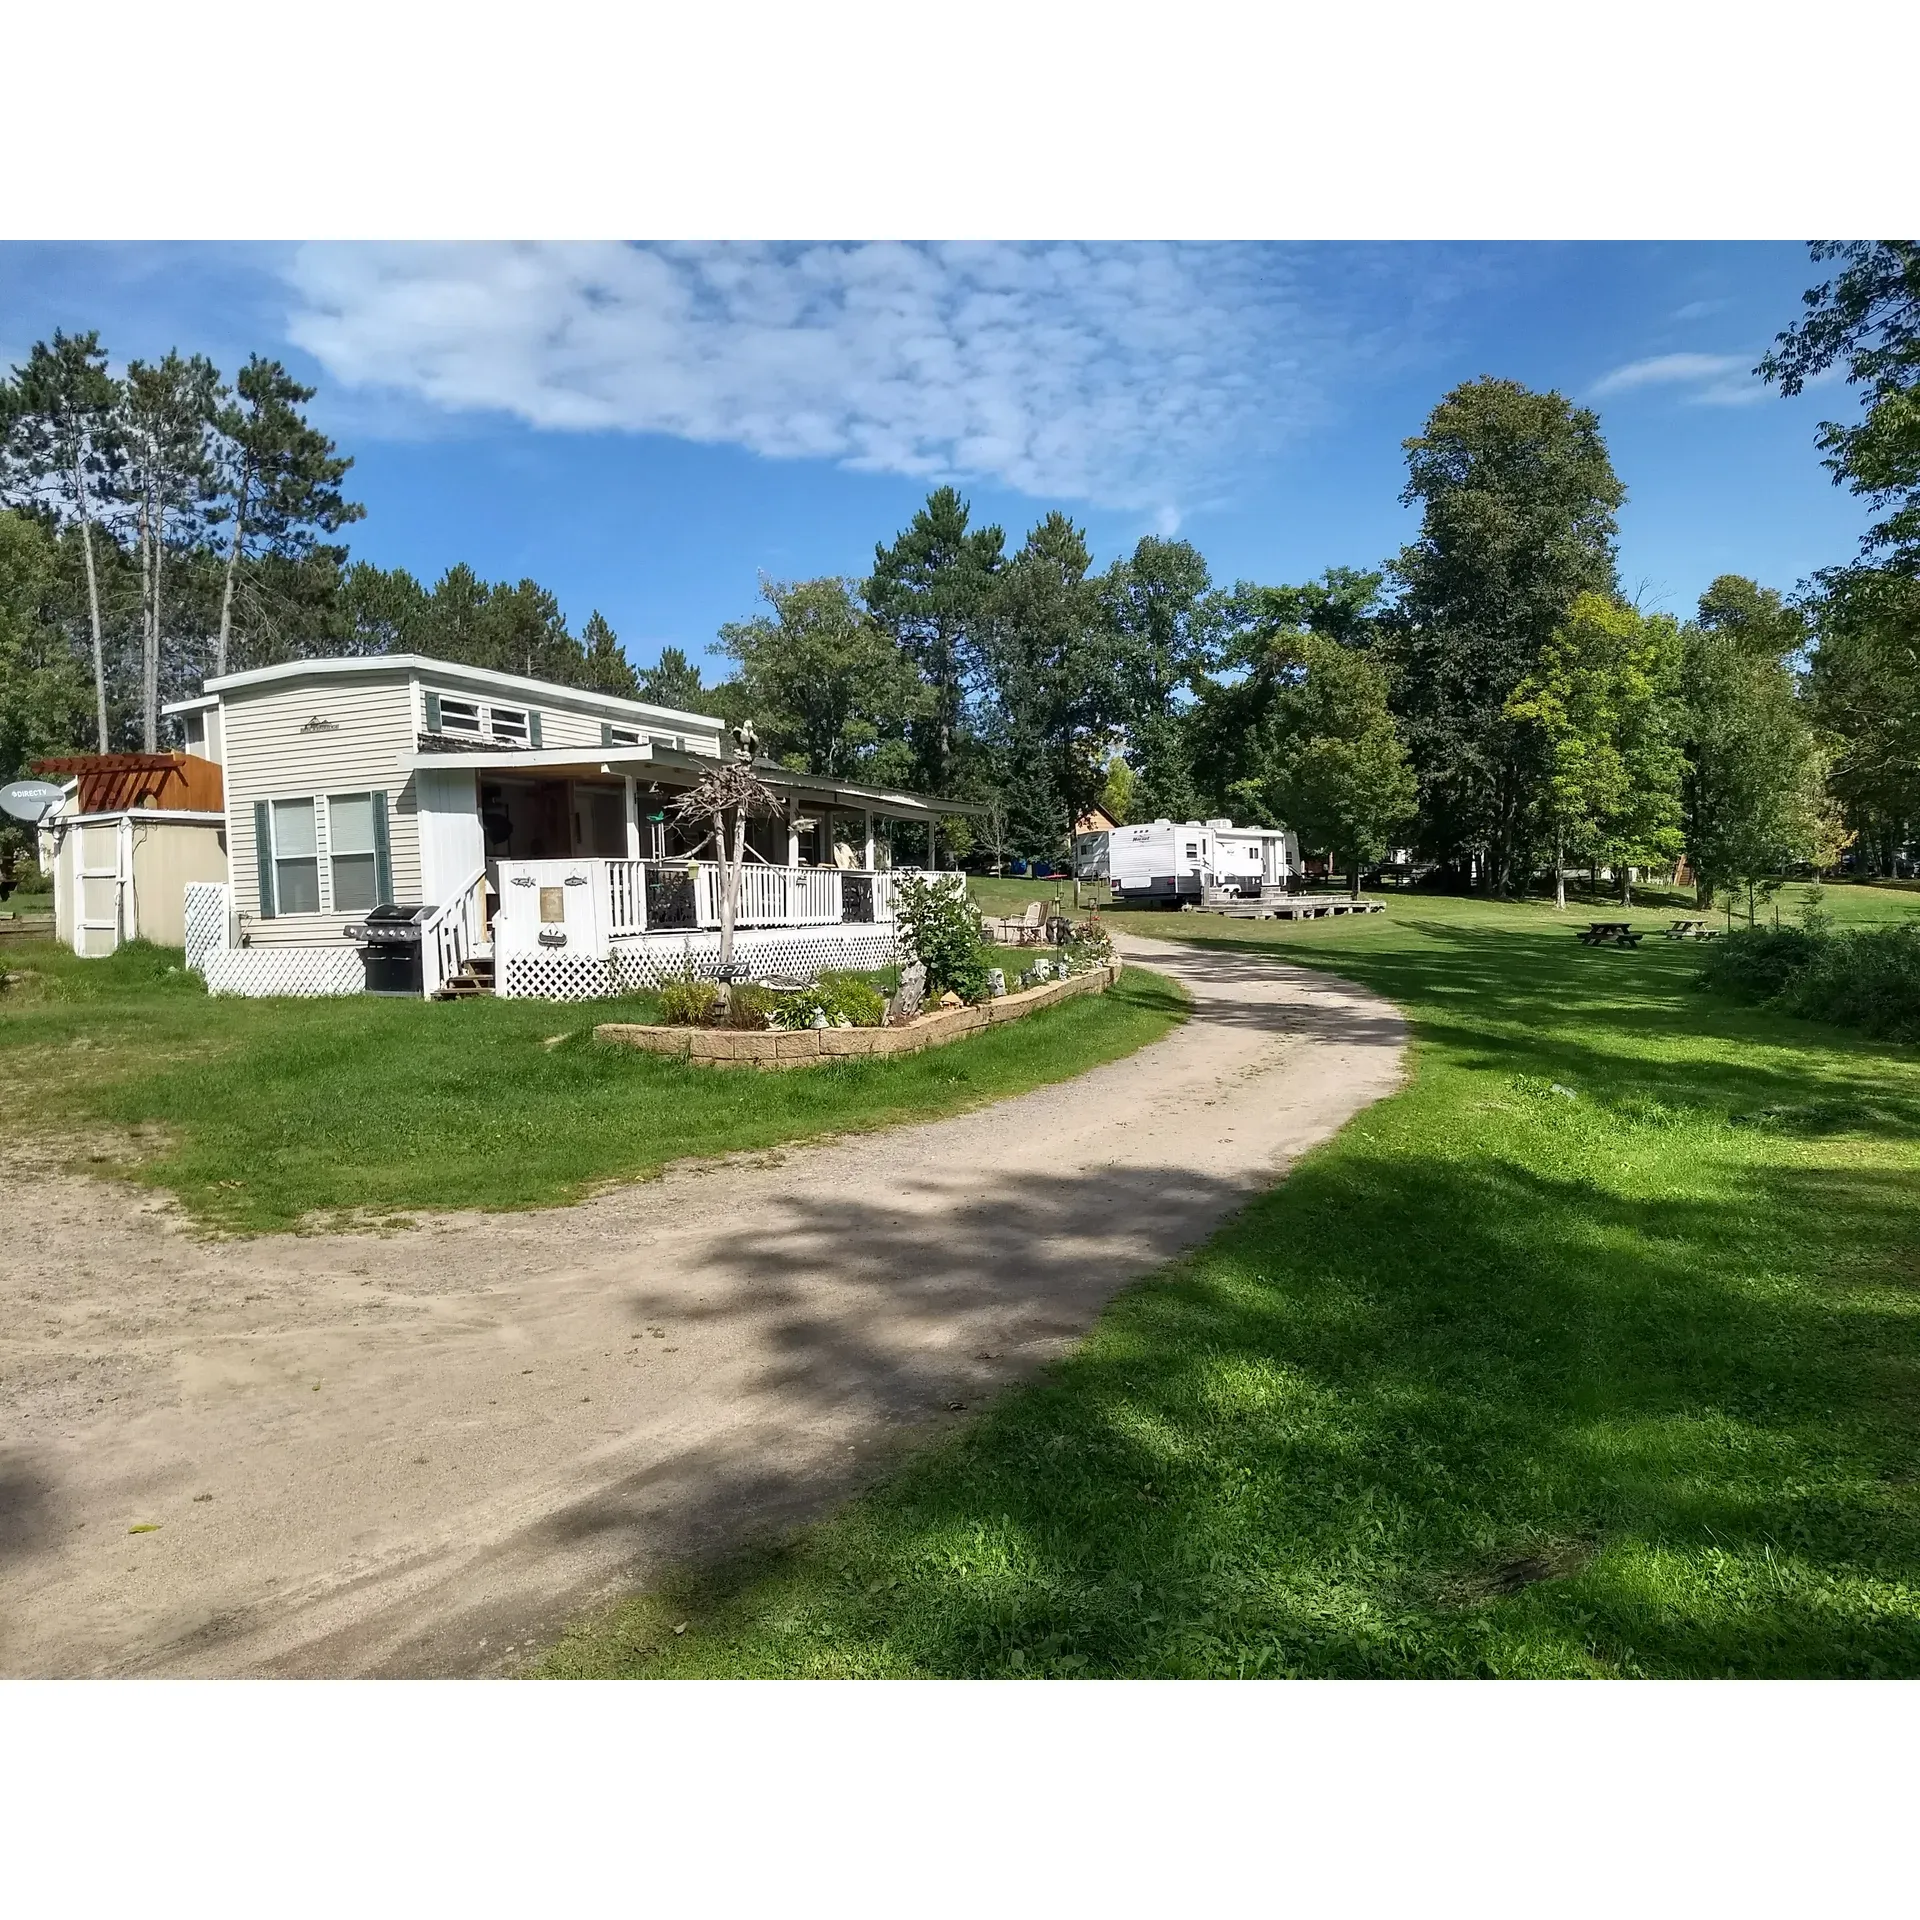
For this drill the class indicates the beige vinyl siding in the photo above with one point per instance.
(168, 856)
(268, 757)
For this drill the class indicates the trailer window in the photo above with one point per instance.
(296, 858)
(459, 716)
(352, 852)
(1193, 850)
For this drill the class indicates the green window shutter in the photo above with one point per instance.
(263, 856)
(382, 860)
(433, 713)
(533, 728)
(606, 733)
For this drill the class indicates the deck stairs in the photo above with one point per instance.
(474, 981)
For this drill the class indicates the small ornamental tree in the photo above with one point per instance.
(717, 807)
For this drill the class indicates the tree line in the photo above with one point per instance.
(1488, 698)
(162, 525)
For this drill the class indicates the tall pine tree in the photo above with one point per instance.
(931, 590)
(282, 479)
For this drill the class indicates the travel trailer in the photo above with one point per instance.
(1170, 863)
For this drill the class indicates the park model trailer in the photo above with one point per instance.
(1183, 863)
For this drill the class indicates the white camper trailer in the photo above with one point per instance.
(1251, 861)
(1180, 863)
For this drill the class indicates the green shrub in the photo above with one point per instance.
(1868, 977)
(688, 1003)
(1755, 963)
(752, 1007)
(1089, 945)
(839, 996)
(941, 927)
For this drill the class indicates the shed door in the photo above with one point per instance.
(97, 925)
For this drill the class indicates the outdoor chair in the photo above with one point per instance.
(1032, 925)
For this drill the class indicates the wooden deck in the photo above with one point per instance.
(1286, 906)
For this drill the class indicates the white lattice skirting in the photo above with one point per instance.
(799, 952)
(259, 973)
(206, 921)
(302, 973)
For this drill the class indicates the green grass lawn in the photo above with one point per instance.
(262, 1114)
(1596, 1351)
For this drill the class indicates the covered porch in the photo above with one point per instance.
(549, 863)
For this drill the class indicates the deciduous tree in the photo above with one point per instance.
(1602, 707)
(1518, 501)
(1337, 772)
(1867, 317)
(1755, 781)
(825, 683)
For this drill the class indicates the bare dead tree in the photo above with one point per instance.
(718, 805)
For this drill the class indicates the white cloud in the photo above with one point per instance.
(1700, 309)
(1124, 376)
(1711, 379)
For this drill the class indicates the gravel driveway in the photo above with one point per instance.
(419, 1452)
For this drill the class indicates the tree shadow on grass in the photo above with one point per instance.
(1629, 1029)
(1325, 1444)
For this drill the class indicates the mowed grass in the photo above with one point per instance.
(266, 1114)
(1596, 1351)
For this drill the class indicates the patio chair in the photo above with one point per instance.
(1032, 925)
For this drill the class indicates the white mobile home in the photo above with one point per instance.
(527, 825)
(1170, 863)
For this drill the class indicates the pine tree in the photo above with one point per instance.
(673, 681)
(282, 479)
(607, 668)
(166, 426)
(1057, 693)
(931, 590)
(63, 451)
(1165, 623)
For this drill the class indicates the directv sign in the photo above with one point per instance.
(31, 800)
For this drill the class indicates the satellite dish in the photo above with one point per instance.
(31, 800)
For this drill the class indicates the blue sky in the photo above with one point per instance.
(647, 429)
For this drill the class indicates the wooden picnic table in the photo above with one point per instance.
(1684, 929)
(1610, 933)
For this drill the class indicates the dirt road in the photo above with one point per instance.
(420, 1452)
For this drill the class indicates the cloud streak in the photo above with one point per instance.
(1710, 379)
(1122, 376)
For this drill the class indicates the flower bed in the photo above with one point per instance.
(719, 1047)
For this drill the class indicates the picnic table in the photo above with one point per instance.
(1610, 933)
(1691, 930)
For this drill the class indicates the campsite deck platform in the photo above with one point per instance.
(1281, 906)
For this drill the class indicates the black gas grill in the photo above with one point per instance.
(389, 940)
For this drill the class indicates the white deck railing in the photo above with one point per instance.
(455, 933)
(584, 904)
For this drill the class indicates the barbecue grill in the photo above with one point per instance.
(389, 941)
